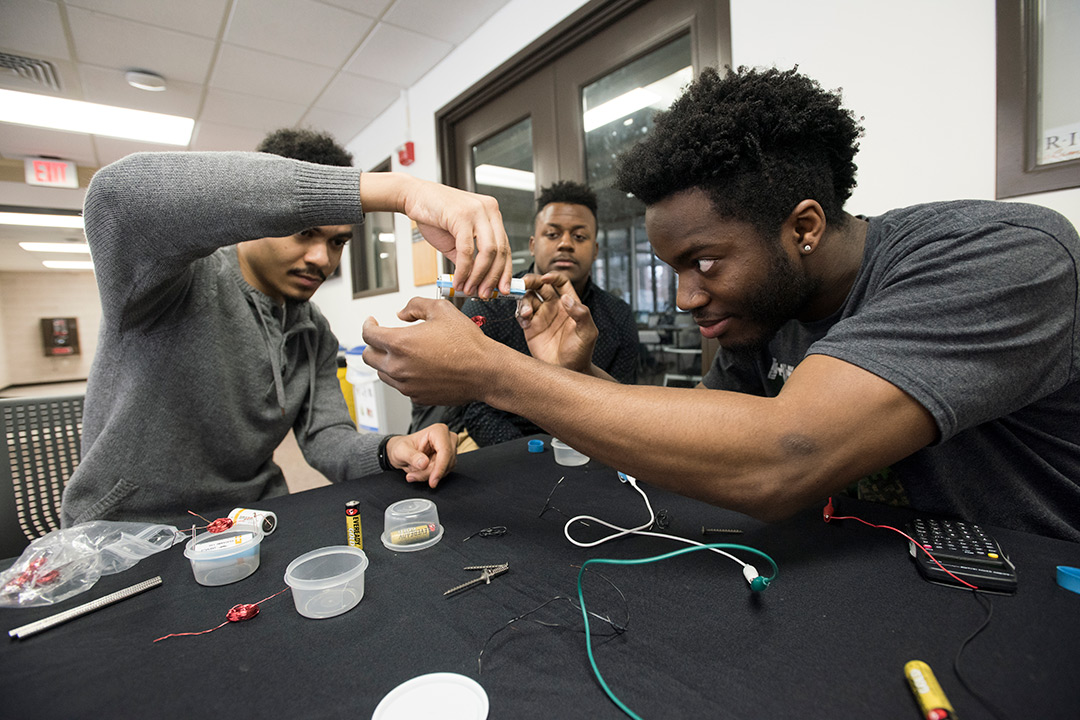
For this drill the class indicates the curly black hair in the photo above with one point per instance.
(567, 191)
(758, 142)
(304, 144)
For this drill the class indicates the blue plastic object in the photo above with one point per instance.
(536, 446)
(1069, 578)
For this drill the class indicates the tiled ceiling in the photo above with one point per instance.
(239, 67)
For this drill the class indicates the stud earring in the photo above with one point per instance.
(806, 248)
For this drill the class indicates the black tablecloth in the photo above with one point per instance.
(828, 639)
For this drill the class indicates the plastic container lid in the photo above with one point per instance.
(536, 446)
(411, 525)
(447, 696)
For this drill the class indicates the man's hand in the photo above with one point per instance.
(464, 226)
(445, 360)
(558, 327)
(468, 229)
(425, 456)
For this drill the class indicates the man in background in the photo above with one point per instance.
(563, 242)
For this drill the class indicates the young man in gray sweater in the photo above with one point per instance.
(210, 352)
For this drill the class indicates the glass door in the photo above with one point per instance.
(617, 110)
(499, 152)
(502, 166)
(571, 103)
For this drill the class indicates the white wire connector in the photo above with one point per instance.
(757, 583)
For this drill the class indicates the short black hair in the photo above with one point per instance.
(567, 191)
(757, 142)
(312, 146)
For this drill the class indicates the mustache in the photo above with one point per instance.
(309, 270)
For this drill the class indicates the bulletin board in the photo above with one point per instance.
(425, 259)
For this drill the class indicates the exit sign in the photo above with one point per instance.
(51, 173)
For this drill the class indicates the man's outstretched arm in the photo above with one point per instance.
(768, 457)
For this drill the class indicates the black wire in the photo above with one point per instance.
(547, 503)
(616, 628)
(989, 607)
(494, 531)
(662, 521)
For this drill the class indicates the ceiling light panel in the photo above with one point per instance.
(94, 119)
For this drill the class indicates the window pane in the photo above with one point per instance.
(374, 255)
(373, 252)
(503, 168)
(1058, 100)
(617, 111)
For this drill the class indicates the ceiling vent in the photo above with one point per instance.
(29, 73)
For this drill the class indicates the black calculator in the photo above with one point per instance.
(966, 550)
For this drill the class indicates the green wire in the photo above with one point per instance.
(642, 561)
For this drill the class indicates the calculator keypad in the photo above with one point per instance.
(956, 540)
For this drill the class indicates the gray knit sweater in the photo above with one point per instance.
(198, 376)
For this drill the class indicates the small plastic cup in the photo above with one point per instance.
(566, 455)
(328, 581)
(225, 557)
(411, 525)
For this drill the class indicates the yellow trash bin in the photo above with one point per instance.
(346, 387)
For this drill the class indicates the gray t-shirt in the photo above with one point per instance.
(970, 307)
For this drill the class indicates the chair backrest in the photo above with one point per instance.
(41, 448)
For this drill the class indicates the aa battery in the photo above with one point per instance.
(444, 287)
(353, 532)
(412, 534)
(259, 518)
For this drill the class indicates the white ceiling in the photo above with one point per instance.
(239, 67)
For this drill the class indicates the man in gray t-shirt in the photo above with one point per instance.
(929, 356)
(970, 309)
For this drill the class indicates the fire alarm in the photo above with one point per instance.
(406, 153)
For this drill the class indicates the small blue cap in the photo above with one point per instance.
(536, 446)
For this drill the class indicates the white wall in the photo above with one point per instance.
(25, 298)
(921, 73)
(4, 377)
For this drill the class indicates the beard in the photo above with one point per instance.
(783, 295)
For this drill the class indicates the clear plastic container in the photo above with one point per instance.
(410, 525)
(328, 581)
(566, 455)
(225, 557)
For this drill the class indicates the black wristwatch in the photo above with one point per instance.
(384, 459)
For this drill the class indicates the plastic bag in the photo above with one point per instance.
(69, 561)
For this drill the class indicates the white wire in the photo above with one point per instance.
(639, 530)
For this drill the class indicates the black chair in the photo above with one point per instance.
(41, 438)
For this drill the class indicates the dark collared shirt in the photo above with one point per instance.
(616, 353)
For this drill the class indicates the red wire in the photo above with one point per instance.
(236, 613)
(829, 516)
